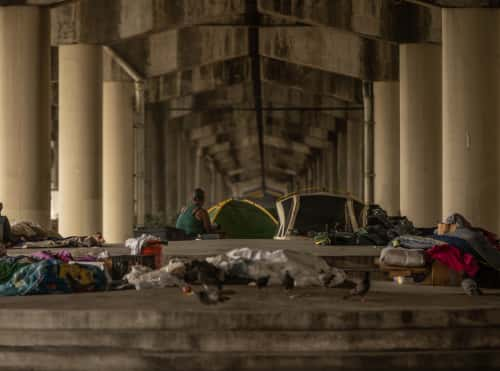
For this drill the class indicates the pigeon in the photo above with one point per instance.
(210, 296)
(361, 288)
(471, 287)
(288, 281)
(262, 282)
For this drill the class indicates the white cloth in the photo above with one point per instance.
(146, 278)
(401, 257)
(135, 244)
(306, 269)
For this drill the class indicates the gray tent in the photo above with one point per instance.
(302, 213)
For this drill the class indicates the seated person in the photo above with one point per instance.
(5, 236)
(193, 219)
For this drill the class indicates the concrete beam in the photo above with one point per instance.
(296, 121)
(277, 95)
(199, 79)
(372, 18)
(457, 3)
(237, 70)
(229, 96)
(311, 80)
(110, 21)
(380, 19)
(190, 47)
(319, 47)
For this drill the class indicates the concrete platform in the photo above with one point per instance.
(402, 327)
(204, 248)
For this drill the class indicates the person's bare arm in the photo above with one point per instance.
(202, 215)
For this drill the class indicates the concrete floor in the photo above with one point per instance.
(216, 247)
(385, 296)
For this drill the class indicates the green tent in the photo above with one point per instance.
(243, 219)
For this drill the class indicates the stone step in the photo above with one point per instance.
(97, 359)
(213, 318)
(260, 341)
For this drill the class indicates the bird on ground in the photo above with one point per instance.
(262, 282)
(210, 296)
(471, 287)
(360, 288)
(288, 281)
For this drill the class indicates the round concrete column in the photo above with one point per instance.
(158, 167)
(386, 96)
(220, 188)
(80, 139)
(420, 133)
(355, 158)
(25, 114)
(171, 163)
(341, 185)
(118, 160)
(331, 165)
(183, 162)
(471, 117)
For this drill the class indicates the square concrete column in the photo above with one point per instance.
(25, 113)
(420, 133)
(80, 139)
(471, 115)
(118, 161)
(386, 110)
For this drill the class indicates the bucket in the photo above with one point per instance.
(156, 251)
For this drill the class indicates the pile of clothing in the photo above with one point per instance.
(242, 265)
(463, 248)
(47, 273)
(25, 235)
(379, 229)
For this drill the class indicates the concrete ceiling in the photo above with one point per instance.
(259, 85)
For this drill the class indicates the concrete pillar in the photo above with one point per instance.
(80, 139)
(181, 170)
(220, 187)
(386, 110)
(148, 160)
(190, 155)
(317, 172)
(332, 167)
(171, 163)
(205, 181)
(310, 175)
(211, 170)
(355, 158)
(323, 163)
(420, 133)
(158, 162)
(118, 161)
(342, 161)
(471, 117)
(25, 113)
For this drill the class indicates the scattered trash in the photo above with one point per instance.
(361, 287)
(145, 278)
(305, 268)
(136, 244)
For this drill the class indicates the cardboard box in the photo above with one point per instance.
(444, 228)
(441, 275)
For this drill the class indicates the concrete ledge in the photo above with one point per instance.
(59, 359)
(260, 341)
